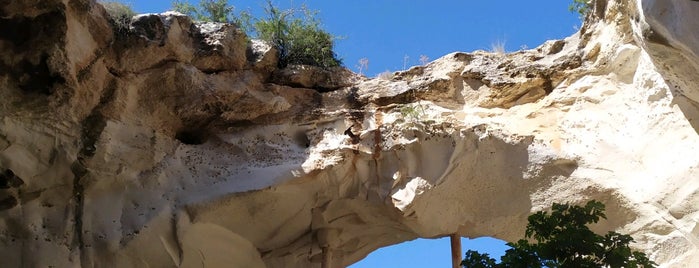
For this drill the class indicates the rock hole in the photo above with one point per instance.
(38, 78)
(28, 39)
(92, 127)
(301, 139)
(25, 33)
(17, 30)
(191, 137)
(8, 179)
(8, 203)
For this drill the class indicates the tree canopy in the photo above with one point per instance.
(561, 238)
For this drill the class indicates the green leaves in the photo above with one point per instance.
(477, 260)
(297, 35)
(564, 240)
(208, 10)
(580, 6)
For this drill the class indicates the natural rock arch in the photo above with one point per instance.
(469, 144)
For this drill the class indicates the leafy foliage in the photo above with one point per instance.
(580, 6)
(295, 33)
(298, 37)
(474, 259)
(562, 239)
(120, 15)
(213, 11)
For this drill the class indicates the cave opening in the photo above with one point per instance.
(192, 137)
(424, 252)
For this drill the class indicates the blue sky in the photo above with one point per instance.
(386, 32)
(424, 253)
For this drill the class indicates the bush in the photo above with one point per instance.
(213, 11)
(562, 239)
(298, 37)
(296, 34)
(120, 15)
(580, 6)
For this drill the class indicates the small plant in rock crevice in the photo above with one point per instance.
(411, 112)
(415, 113)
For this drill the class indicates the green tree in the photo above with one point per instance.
(580, 6)
(298, 36)
(562, 239)
(295, 33)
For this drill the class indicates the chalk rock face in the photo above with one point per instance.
(178, 143)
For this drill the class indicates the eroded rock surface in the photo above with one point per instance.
(182, 144)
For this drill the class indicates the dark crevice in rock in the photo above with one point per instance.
(91, 131)
(206, 71)
(356, 116)
(114, 72)
(408, 96)
(39, 78)
(192, 136)
(79, 171)
(548, 85)
(25, 33)
(87, 71)
(320, 79)
(356, 112)
(355, 138)
(557, 46)
(302, 139)
(32, 77)
(92, 127)
(8, 203)
(30, 40)
(93, 124)
(600, 8)
(16, 30)
(8, 179)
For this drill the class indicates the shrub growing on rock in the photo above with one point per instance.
(295, 33)
(562, 239)
(120, 15)
(580, 6)
(298, 37)
(213, 11)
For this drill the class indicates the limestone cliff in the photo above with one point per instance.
(182, 144)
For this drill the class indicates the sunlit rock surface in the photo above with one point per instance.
(182, 144)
